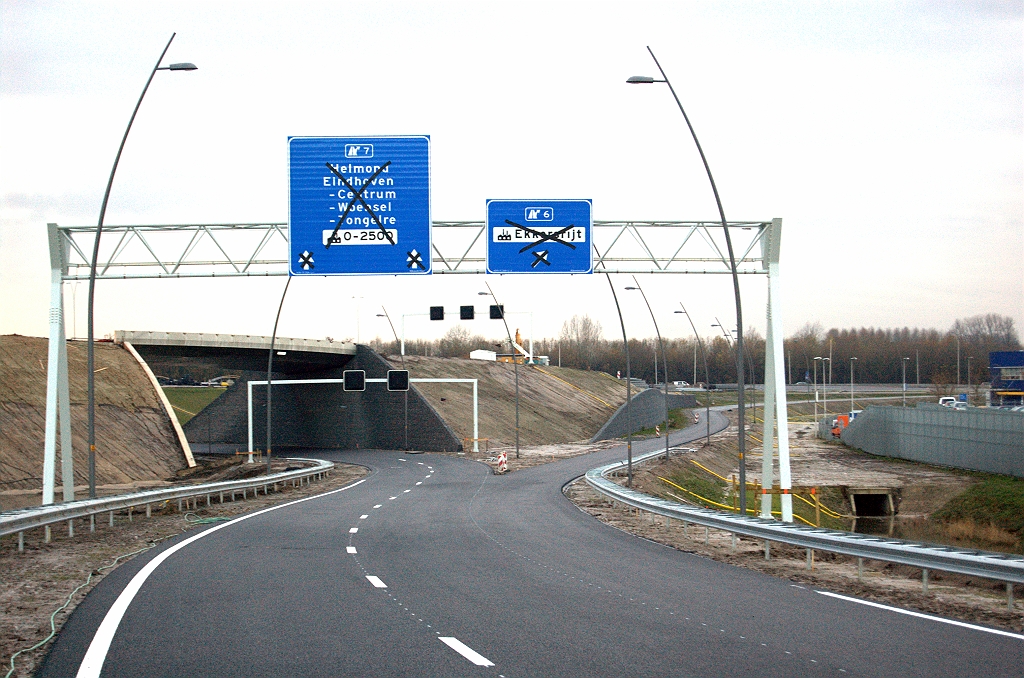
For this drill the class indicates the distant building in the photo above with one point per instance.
(483, 354)
(1007, 370)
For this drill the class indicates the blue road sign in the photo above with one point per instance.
(359, 205)
(539, 236)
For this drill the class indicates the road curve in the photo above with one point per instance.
(432, 566)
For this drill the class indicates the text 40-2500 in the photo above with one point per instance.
(361, 236)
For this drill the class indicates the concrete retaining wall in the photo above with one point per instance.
(979, 439)
(322, 415)
(647, 408)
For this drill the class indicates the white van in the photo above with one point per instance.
(947, 401)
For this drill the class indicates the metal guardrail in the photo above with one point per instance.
(998, 566)
(20, 520)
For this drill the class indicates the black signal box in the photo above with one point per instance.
(355, 380)
(398, 380)
(436, 312)
(497, 312)
(466, 312)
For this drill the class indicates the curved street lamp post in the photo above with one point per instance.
(95, 256)
(664, 359)
(515, 359)
(402, 356)
(707, 378)
(629, 382)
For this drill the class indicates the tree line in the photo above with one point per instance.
(929, 355)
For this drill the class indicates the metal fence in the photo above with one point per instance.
(979, 439)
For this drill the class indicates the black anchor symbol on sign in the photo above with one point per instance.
(306, 261)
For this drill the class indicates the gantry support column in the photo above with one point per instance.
(776, 416)
(58, 400)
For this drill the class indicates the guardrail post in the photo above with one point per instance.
(71, 528)
(767, 550)
(734, 541)
(21, 549)
(924, 581)
(47, 538)
(130, 513)
(207, 501)
(149, 510)
(810, 559)
(222, 497)
(92, 522)
(1009, 596)
(860, 569)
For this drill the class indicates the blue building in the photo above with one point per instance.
(1007, 369)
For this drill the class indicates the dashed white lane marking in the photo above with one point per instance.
(419, 483)
(92, 663)
(363, 517)
(404, 491)
(377, 505)
(403, 459)
(377, 583)
(920, 615)
(466, 651)
(350, 549)
(353, 530)
(392, 498)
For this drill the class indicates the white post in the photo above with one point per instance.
(770, 251)
(249, 384)
(403, 334)
(768, 434)
(57, 396)
(476, 418)
(779, 382)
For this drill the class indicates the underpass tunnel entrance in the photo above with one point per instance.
(872, 502)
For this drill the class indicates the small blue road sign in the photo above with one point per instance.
(359, 205)
(539, 236)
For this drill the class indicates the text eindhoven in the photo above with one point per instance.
(344, 194)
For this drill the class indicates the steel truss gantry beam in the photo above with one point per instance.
(459, 247)
(223, 250)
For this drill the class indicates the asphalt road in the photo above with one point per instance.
(432, 566)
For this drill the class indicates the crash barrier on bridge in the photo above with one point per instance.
(647, 409)
(978, 438)
(20, 520)
(1005, 567)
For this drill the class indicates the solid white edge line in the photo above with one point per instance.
(922, 615)
(350, 549)
(92, 663)
(466, 651)
(377, 583)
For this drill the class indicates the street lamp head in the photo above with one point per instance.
(483, 294)
(381, 315)
(683, 312)
(183, 67)
(641, 80)
(632, 288)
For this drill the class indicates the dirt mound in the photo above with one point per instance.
(135, 441)
(556, 405)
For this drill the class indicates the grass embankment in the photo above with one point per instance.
(697, 484)
(677, 419)
(188, 401)
(991, 510)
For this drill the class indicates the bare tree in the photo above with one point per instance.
(458, 342)
(579, 338)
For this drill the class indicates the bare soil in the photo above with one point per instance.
(37, 582)
(136, 444)
(556, 405)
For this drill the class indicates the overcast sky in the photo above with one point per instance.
(888, 137)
